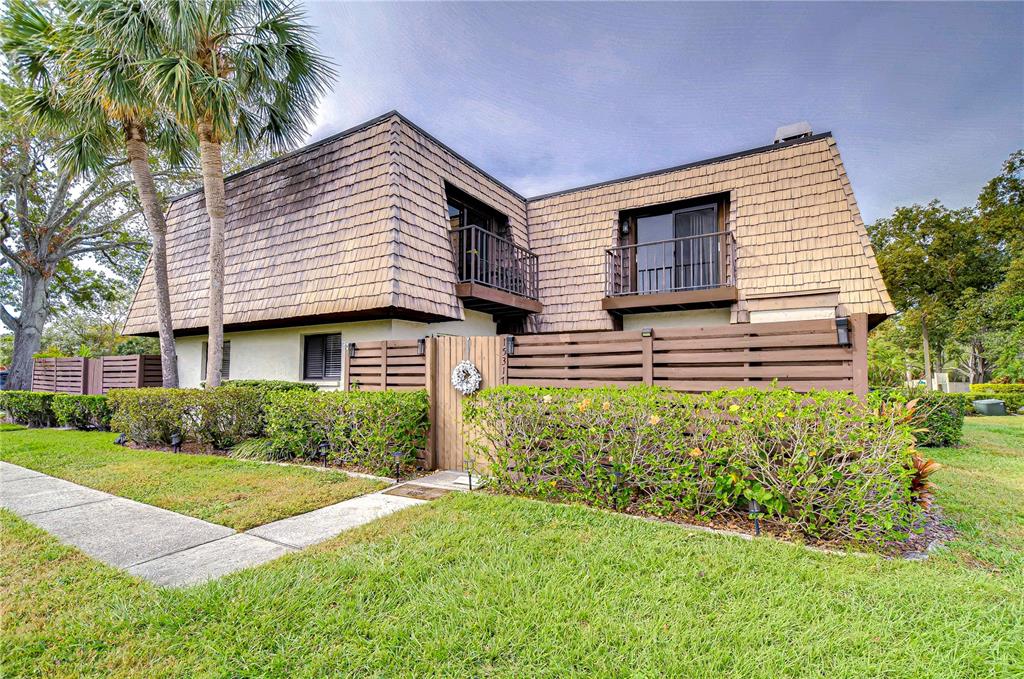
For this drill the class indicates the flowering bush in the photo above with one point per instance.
(822, 463)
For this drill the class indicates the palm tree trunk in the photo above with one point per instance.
(138, 161)
(216, 208)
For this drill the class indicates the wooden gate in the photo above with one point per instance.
(488, 355)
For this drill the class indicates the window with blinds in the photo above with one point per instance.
(321, 357)
(225, 361)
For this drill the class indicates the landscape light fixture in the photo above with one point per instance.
(121, 440)
(398, 465)
(755, 511)
(322, 450)
(176, 442)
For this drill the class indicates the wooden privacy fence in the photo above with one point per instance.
(96, 375)
(802, 355)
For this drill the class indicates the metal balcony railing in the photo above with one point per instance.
(674, 265)
(486, 259)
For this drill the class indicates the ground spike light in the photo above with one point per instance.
(176, 442)
(755, 512)
(322, 450)
(398, 465)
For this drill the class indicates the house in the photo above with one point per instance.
(383, 232)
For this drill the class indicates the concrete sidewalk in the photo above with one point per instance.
(165, 547)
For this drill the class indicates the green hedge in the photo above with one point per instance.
(939, 417)
(1014, 401)
(821, 463)
(997, 388)
(220, 417)
(82, 411)
(362, 428)
(30, 408)
(272, 385)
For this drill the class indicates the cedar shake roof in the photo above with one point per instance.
(355, 226)
(791, 209)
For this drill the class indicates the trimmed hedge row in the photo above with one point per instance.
(82, 411)
(820, 463)
(1014, 400)
(218, 417)
(998, 388)
(939, 417)
(272, 385)
(363, 428)
(30, 408)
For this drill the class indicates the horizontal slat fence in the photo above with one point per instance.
(95, 375)
(390, 364)
(126, 372)
(802, 355)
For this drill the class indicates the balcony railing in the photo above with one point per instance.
(676, 265)
(495, 262)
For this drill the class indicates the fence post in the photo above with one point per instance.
(859, 336)
(429, 370)
(384, 365)
(348, 352)
(647, 344)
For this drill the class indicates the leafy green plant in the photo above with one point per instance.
(219, 417)
(822, 463)
(360, 428)
(938, 416)
(82, 411)
(272, 385)
(31, 408)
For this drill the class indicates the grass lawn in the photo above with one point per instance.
(477, 585)
(233, 493)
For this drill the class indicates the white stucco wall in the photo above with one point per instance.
(277, 354)
(676, 319)
(805, 314)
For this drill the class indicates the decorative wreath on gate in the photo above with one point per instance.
(466, 378)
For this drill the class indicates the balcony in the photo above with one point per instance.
(495, 275)
(668, 275)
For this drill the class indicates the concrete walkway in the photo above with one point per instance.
(174, 550)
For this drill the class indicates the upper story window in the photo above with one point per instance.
(674, 247)
(464, 210)
(321, 357)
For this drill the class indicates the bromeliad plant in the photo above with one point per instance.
(822, 463)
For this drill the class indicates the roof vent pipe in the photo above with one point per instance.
(792, 131)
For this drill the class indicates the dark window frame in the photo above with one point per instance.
(497, 221)
(330, 367)
(225, 361)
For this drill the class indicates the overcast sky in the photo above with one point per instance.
(925, 100)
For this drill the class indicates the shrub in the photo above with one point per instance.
(939, 417)
(82, 411)
(31, 408)
(1014, 400)
(218, 417)
(997, 388)
(822, 463)
(272, 385)
(151, 416)
(362, 428)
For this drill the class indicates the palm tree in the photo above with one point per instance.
(83, 61)
(234, 71)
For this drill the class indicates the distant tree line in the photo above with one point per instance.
(956, 277)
